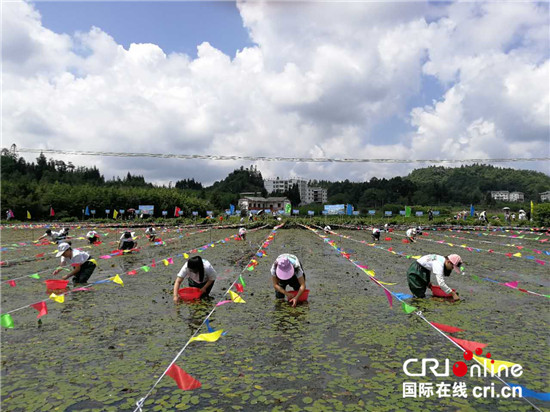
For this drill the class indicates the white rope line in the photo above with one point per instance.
(139, 404)
(277, 158)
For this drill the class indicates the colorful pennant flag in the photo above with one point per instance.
(6, 321)
(237, 285)
(57, 298)
(235, 297)
(446, 328)
(28, 214)
(242, 281)
(145, 268)
(11, 283)
(467, 344)
(390, 299)
(223, 302)
(185, 381)
(208, 337)
(117, 279)
(408, 308)
(41, 308)
(35, 276)
(513, 285)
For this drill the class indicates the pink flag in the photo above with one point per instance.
(512, 285)
(390, 299)
(223, 302)
(541, 262)
(171, 261)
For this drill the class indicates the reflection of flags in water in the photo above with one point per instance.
(28, 214)
(115, 214)
(472, 210)
(12, 215)
(288, 208)
(177, 211)
(231, 209)
(532, 208)
(87, 212)
(52, 213)
(407, 211)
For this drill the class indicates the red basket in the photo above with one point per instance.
(303, 296)
(437, 291)
(56, 284)
(189, 293)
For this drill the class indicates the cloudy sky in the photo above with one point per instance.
(402, 80)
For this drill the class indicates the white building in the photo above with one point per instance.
(316, 195)
(516, 197)
(261, 203)
(307, 194)
(503, 195)
(545, 196)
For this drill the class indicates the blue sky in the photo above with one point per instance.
(174, 26)
(377, 80)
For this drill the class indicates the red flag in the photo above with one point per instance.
(177, 211)
(11, 283)
(153, 265)
(40, 255)
(446, 328)
(239, 287)
(468, 344)
(185, 382)
(41, 308)
(52, 213)
(132, 272)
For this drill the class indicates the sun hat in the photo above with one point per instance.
(285, 269)
(62, 248)
(456, 261)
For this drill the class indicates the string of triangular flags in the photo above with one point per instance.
(464, 345)
(511, 284)
(7, 318)
(472, 249)
(182, 379)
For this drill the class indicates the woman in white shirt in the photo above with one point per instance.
(200, 274)
(418, 274)
(83, 267)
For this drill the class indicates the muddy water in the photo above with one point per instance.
(344, 350)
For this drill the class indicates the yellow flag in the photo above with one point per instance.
(517, 254)
(166, 263)
(495, 367)
(208, 337)
(235, 297)
(532, 209)
(115, 214)
(94, 261)
(369, 272)
(28, 214)
(186, 256)
(117, 279)
(57, 298)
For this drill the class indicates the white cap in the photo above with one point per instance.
(62, 248)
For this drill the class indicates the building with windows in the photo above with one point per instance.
(257, 203)
(307, 194)
(516, 197)
(502, 195)
(545, 196)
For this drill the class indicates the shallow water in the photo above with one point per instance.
(343, 350)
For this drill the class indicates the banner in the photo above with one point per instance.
(146, 210)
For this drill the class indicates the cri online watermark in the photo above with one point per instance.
(421, 367)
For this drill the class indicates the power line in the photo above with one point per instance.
(277, 158)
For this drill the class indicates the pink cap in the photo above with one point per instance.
(456, 261)
(285, 269)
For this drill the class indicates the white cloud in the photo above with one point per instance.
(320, 78)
